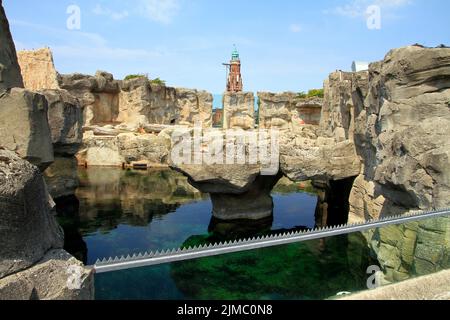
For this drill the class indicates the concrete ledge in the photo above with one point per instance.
(432, 287)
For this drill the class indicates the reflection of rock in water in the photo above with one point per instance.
(238, 229)
(310, 270)
(67, 209)
(131, 197)
(254, 204)
(333, 206)
(413, 249)
(61, 177)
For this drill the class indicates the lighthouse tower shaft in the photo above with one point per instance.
(234, 80)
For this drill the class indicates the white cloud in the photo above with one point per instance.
(295, 28)
(102, 11)
(77, 44)
(357, 8)
(162, 11)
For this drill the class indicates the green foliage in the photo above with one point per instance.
(315, 93)
(158, 81)
(135, 76)
(311, 94)
(302, 95)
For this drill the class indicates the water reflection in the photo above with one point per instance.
(310, 270)
(118, 212)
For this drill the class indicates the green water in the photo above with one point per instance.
(121, 212)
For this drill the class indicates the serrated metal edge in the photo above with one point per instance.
(178, 254)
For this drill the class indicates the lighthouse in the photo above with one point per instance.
(234, 77)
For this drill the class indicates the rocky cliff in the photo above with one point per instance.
(134, 103)
(32, 262)
(286, 110)
(401, 133)
(38, 69)
(9, 67)
(239, 110)
(398, 115)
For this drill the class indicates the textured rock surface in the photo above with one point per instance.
(142, 103)
(38, 70)
(28, 228)
(413, 249)
(65, 119)
(24, 126)
(239, 110)
(98, 95)
(195, 107)
(284, 110)
(48, 280)
(401, 133)
(61, 177)
(10, 76)
(124, 148)
(305, 156)
(338, 112)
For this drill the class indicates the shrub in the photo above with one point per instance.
(135, 76)
(311, 94)
(158, 81)
(315, 93)
(302, 95)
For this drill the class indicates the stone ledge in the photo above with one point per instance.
(432, 287)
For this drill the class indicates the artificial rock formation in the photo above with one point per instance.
(28, 227)
(32, 262)
(142, 103)
(38, 69)
(284, 110)
(24, 127)
(49, 280)
(10, 76)
(401, 135)
(239, 110)
(116, 149)
(97, 94)
(238, 190)
(317, 158)
(65, 120)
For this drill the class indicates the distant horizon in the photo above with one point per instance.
(284, 46)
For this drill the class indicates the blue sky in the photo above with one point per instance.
(285, 45)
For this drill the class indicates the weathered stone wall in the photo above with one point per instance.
(142, 103)
(124, 149)
(38, 69)
(338, 112)
(397, 114)
(32, 262)
(195, 107)
(286, 110)
(98, 96)
(239, 110)
(24, 127)
(401, 133)
(10, 76)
